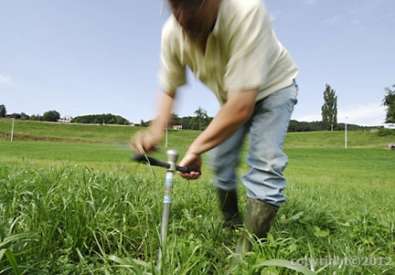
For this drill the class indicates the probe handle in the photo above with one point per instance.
(155, 162)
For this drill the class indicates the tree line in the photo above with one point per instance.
(54, 116)
(200, 119)
(51, 116)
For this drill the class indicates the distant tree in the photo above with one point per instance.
(202, 119)
(36, 117)
(187, 122)
(19, 116)
(14, 115)
(24, 116)
(144, 123)
(329, 109)
(201, 113)
(51, 116)
(175, 120)
(101, 119)
(389, 102)
(3, 111)
(303, 126)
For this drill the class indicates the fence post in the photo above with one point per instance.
(346, 134)
(166, 138)
(12, 129)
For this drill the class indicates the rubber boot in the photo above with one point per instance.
(259, 218)
(229, 208)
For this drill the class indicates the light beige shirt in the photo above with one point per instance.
(242, 53)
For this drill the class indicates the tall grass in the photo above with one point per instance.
(75, 220)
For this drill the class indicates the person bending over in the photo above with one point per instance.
(230, 46)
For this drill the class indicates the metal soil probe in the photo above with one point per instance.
(172, 168)
(172, 159)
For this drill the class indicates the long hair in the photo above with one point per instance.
(191, 16)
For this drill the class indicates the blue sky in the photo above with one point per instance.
(101, 56)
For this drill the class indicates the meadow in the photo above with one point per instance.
(72, 202)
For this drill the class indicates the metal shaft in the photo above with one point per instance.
(172, 159)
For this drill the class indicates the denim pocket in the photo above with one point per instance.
(296, 93)
(291, 93)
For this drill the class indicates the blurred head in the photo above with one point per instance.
(196, 17)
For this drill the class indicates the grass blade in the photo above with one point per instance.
(286, 264)
(14, 238)
(12, 261)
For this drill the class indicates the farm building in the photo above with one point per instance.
(66, 119)
(177, 127)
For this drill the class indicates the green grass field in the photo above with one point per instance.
(71, 202)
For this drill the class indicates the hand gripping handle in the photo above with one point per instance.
(155, 162)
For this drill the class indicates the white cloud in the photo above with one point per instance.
(368, 115)
(6, 80)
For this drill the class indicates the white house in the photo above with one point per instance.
(66, 119)
(177, 127)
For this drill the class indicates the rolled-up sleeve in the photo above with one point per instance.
(250, 52)
(172, 71)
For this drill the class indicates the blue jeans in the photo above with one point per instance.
(267, 129)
